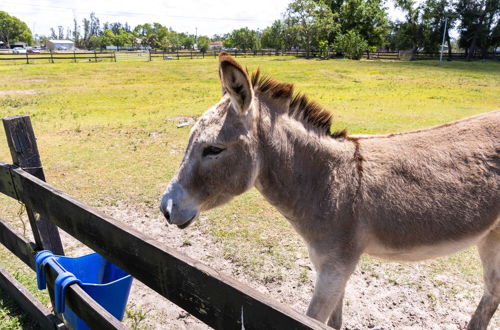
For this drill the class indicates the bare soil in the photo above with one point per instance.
(19, 92)
(379, 295)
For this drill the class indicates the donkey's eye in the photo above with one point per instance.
(211, 150)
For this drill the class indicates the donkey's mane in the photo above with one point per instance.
(300, 107)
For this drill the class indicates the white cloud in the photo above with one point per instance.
(209, 17)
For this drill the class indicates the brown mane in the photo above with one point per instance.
(300, 108)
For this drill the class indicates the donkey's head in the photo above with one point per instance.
(221, 159)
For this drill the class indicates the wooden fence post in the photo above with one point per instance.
(23, 148)
(95, 56)
(114, 55)
(178, 54)
(51, 57)
(27, 59)
(150, 58)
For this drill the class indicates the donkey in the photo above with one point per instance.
(406, 196)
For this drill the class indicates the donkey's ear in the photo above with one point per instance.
(236, 82)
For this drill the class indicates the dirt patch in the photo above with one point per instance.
(182, 121)
(379, 295)
(19, 92)
(34, 80)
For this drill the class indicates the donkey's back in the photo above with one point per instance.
(433, 191)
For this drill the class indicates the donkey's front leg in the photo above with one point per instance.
(331, 279)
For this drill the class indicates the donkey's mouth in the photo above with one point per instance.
(187, 223)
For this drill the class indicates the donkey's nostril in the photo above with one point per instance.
(167, 215)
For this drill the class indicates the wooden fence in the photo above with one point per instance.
(154, 55)
(53, 57)
(214, 298)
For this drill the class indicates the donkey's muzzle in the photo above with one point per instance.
(176, 207)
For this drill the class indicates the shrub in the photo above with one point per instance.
(323, 49)
(351, 45)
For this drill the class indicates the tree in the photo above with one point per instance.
(424, 25)
(60, 32)
(368, 18)
(311, 21)
(174, 40)
(351, 44)
(95, 25)
(203, 44)
(13, 29)
(411, 33)
(186, 40)
(76, 33)
(123, 38)
(108, 38)
(436, 12)
(86, 33)
(154, 36)
(479, 20)
(245, 39)
(273, 36)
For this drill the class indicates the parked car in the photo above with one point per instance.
(33, 51)
(19, 50)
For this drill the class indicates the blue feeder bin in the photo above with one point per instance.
(105, 282)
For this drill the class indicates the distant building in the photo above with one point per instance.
(215, 45)
(60, 45)
(18, 44)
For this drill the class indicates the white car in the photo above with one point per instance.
(19, 50)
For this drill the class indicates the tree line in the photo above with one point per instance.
(350, 27)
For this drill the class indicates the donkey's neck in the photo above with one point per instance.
(309, 177)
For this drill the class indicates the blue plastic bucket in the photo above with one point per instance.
(105, 282)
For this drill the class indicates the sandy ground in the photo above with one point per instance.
(19, 92)
(378, 296)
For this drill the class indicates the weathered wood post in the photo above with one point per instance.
(27, 59)
(24, 151)
(51, 57)
(95, 56)
(74, 56)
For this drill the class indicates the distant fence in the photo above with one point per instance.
(114, 56)
(214, 298)
(405, 55)
(53, 57)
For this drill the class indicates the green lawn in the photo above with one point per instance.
(105, 136)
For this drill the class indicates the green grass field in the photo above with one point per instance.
(105, 136)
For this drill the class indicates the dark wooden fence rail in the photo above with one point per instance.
(186, 54)
(214, 298)
(52, 57)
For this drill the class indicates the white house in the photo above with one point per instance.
(60, 45)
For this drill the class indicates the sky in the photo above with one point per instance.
(204, 17)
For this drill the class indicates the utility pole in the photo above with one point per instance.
(442, 43)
